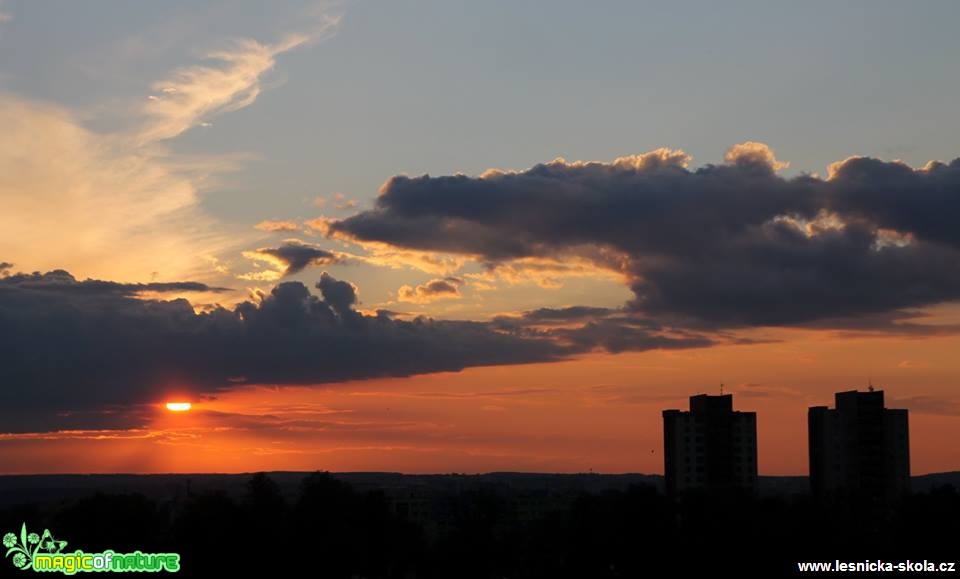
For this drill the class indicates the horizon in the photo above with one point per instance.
(657, 473)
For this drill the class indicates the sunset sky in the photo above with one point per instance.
(461, 236)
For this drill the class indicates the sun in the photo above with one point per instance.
(178, 406)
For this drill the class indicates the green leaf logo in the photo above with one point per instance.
(22, 557)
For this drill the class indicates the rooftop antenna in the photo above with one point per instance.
(721, 389)
(869, 384)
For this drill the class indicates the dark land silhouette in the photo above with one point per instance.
(485, 526)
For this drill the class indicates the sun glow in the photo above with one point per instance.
(178, 406)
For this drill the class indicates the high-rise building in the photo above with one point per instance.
(859, 448)
(710, 447)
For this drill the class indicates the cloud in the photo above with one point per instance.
(341, 296)
(626, 335)
(339, 201)
(292, 257)
(435, 289)
(893, 196)
(924, 404)
(62, 281)
(912, 364)
(91, 354)
(720, 246)
(99, 206)
(751, 390)
(547, 273)
(904, 322)
(193, 94)
(754, 154)
(774, 274)
(275, 226)
(565, 315)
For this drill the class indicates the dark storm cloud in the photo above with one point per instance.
(925, 203)
(776, 275)
(295, 256)
(613, 330)
(566, 314)
(61, 281)
(623, 335)
(903, 322)
(721, 246)
(650, 203)
(74, 356)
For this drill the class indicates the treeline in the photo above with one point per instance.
(332, 530)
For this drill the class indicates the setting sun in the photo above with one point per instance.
(178, 406)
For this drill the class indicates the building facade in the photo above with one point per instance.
(859, 448)
(711, 447)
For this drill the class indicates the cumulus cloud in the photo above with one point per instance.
(88, 354)
(574, 207)
(922, 202)
(341, 296)
(292, 257)
(727, 245)
(276, 226)
(435, 289)
(754, 154)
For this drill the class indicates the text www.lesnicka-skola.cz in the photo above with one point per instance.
(879, 566)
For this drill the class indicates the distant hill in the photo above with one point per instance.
(19, 489)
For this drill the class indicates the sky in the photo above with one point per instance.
(468, 236)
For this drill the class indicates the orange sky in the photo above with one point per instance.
(601, 412)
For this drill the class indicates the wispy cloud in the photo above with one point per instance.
(339, 201)
(190, 96)
(275, 226)
(88, 201)
(929, 404)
